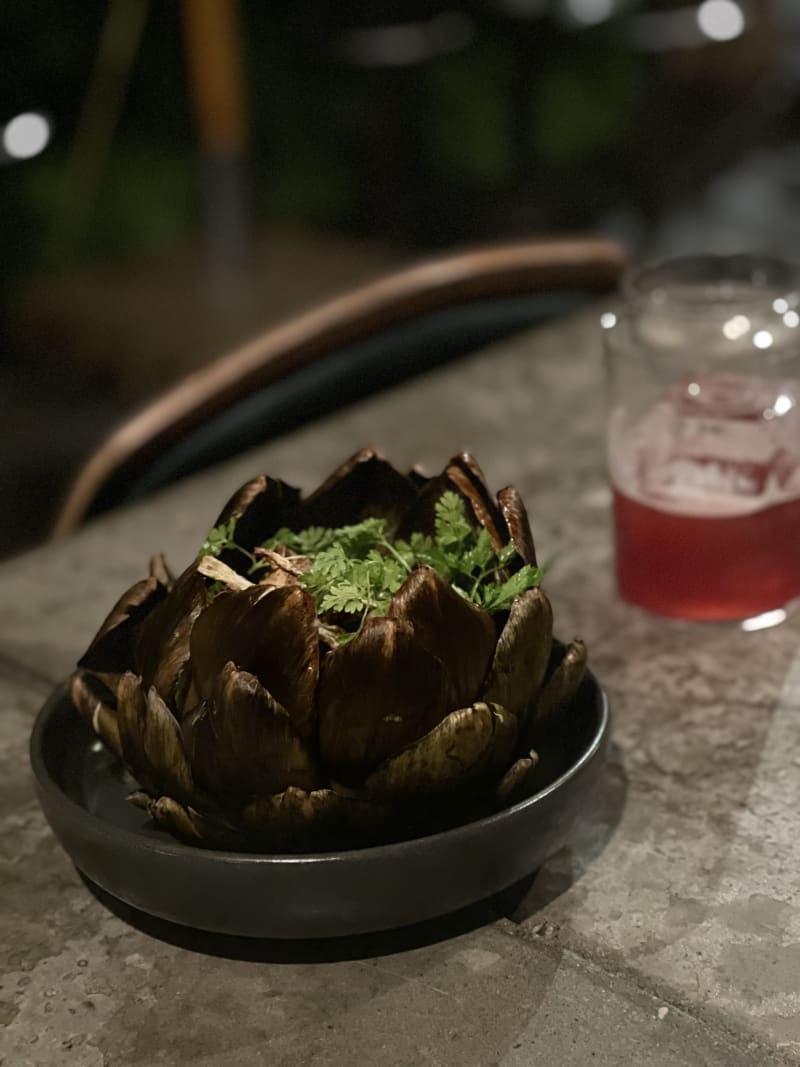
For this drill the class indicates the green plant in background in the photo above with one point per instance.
(147, 203)
(412, 153)
(585, 101)
(298, 174)
(466, 128)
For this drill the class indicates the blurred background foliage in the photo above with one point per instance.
(359, 133)
(435, 144)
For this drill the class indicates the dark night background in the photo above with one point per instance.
(171, 214)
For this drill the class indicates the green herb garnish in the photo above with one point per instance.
(357, 569)
(218, 539)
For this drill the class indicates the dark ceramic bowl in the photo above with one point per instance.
(82, 791)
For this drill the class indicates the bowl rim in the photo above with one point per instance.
(101, 830)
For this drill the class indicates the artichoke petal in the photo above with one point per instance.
(261, 507)
(162, 649)
(269, 632)
(466, 475)
(113, 648)
(378, 693)
(460, 749)
(458, 633)
(522, 653)
(227, 630)
(151, 741)
(242, 743)
(364, 486)
(560, 687)
(463, 476)
(189, 825)
(512, 786)
(515, 517)
(418, 478)
(101, 716)
(297, 820)
(160, 571)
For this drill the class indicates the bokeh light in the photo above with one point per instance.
(721, 20)
(26, 135)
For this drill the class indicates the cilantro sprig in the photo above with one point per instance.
(357, 569)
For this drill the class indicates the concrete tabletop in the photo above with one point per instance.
(666, 932)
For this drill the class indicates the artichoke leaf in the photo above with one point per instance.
(225, 631)
(560, 687)
(515, 517)
(464, 477)
(162, 648)
(242, 499)
(160, 571)
(466, 743)
(447, 626)
(260, 508)
(113, 648)
(268, 632)
(188, 824)
(151, 740)
(180, 821)
(365, 486)
(295, 819)
(522, 654)
(101, 716)
(377, 694)
(512, 786)
(241, 743)
(418, 478)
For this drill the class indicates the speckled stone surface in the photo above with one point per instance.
(667, 932)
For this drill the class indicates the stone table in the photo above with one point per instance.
(666, 932)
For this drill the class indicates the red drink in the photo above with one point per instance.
(704, 437)
(707, 566)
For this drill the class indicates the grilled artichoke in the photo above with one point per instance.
(254, 717)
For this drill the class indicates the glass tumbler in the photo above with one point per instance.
(703, 362)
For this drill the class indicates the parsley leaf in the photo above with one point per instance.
(453, 529)
(356, 570)
(218, 539)
(501, 597)
(305, 543)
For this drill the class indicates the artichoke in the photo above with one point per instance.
(258, 710)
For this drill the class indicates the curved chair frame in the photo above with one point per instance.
(461, 278)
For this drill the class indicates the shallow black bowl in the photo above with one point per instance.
(82, 791)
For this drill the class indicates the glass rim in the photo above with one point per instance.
(697, 282)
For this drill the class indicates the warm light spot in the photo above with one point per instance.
(791, 319)
(783, 404)
(736, 327)
(608, 320)
(762, 339)
(764, 621)
(693, 389)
